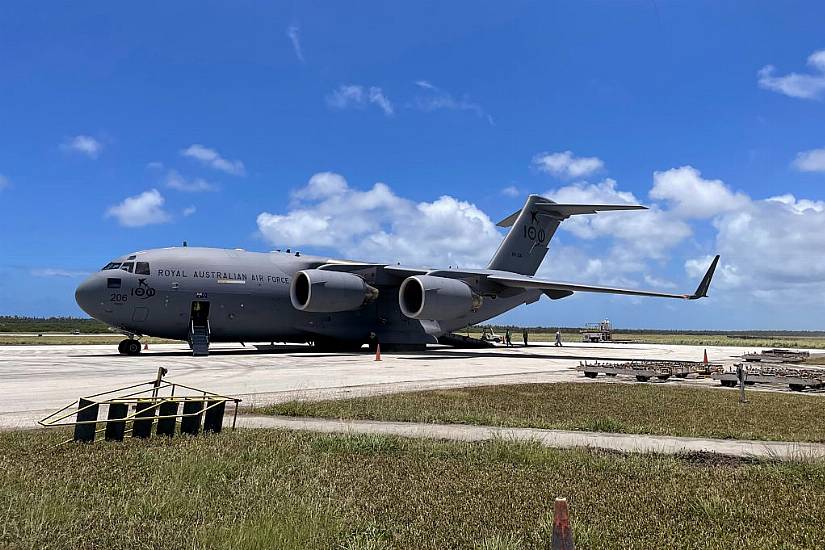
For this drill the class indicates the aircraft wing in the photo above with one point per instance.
(553, 289)
(519, 281)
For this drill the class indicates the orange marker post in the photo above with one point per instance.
(705, 360)
(562, 533)
(377, 352)
(146, 345)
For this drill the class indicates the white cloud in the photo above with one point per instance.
(810, 161)
(213, 159)
(154, 165)
(771, 249)
(805, 86)
(640, 234)
(4, 182)
(511, 191)
(358, 97)
(691, 196)
(143, 209)
(293, 33)
(189, 210)
(434, 99)
(85, 145)
(176, 181)
(57, 272)
(378, 98)
(378, 225)
(566, 165)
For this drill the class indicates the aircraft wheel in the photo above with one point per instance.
(642, 378)
(121, 347)
(132, 347)
(589, 374)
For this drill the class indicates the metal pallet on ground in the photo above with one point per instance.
(645, 370)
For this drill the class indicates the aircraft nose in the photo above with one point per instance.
(89, 295)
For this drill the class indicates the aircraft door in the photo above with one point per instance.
(200, 312)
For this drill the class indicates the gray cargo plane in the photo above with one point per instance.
(204, 295)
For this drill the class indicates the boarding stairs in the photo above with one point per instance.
(199, 338)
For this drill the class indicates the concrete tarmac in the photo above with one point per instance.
(36, 380)
(632, 443)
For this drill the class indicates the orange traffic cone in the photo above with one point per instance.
(562, 534)
(145, 345)
(705, 360)
(377, 352)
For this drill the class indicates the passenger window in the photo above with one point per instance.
(113, 282)
(128, 266)
(142, 268)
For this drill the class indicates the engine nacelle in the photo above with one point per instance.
(436, 298)
(320, 291)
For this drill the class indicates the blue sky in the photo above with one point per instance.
(260, 126)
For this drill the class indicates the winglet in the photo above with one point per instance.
(702, 289)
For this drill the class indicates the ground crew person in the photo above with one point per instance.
(524, 337)
(507, 341)
(558, 338)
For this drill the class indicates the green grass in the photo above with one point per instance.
(754, 342)
(622, 408)
(79, 340)
(276, 489)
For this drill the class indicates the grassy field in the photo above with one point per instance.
(275, 489)
(80, 340)
(677, 338)
(620, 408)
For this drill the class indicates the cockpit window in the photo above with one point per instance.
(142, 268)
(128, 266)
(111, 265)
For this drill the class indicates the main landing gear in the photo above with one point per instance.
(129, 346)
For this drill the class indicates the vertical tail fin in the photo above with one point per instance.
(532, 227)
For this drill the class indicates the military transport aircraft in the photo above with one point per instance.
(208, 294)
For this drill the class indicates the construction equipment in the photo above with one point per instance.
(597, 332)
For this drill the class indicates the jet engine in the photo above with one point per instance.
(320, 291)
(436, 298)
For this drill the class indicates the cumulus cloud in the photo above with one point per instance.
(213, 159)
(641, 234)
(511, 191)
(376, 224)
(84, 145)
(58, 272)
(566, 165)
(189, 210)
(176, 181)
(358, 97)
(692, 196)
(140, 210)
(293, 32)
(434, 98)
(810, 161)
(805, 86)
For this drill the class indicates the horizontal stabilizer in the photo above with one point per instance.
(563, 211)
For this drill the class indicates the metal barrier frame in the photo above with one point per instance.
(149, 393)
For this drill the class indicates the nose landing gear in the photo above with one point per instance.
(129, 346)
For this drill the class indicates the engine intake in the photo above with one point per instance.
(320, 291)
(436, 298)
